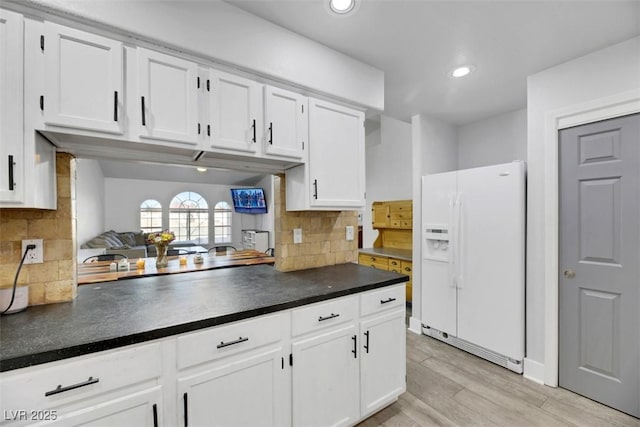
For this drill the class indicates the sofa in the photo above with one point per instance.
(132, 244)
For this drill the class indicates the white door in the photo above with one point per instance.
(11, 109)
(167, 97)
(141, 409)
(234, 104)
(438, 289)
(336, 155)
(83, 80)
(325, 379)
(285, 123)
(244, 391)
(490, 264)
(383, 363)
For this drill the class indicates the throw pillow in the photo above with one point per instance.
(140, 238)
(127, 238)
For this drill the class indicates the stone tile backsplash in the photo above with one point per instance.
(323, 235)
(55, 279)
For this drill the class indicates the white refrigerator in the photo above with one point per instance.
(473, 261)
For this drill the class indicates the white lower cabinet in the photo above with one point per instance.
(244, 391)
(325, 379)
(116, 387)
(137, 409)
(382, 365)
(332, 363)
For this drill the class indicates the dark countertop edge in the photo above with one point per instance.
(376, 251)
(109, 344)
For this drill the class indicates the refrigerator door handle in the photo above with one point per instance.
(452, 235)
(459, 242)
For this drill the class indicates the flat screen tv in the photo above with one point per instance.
(249, 200)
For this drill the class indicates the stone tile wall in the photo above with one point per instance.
(323, 235)
(55, 279)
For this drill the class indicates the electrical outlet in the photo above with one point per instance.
(297, 235)
(349, 232)
(34, 256)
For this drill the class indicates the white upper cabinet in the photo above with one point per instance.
(234, 111)
(333, 178)
(167, 97)
(285, 123)
(83, 80)
(11, 147)
(336, 155)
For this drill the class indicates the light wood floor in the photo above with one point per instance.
(449, 387)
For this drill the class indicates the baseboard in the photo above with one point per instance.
(534, 371)
(415, 326)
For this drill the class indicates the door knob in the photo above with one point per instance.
(569, 274)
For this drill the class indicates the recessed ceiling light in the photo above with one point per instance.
(462, 71)
(201, 169)
(342, 7)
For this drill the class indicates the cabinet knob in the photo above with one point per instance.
(569, 274)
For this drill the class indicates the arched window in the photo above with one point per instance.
(150, 216)
(222, 223)
(189, 217)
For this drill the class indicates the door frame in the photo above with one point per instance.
(599, 109)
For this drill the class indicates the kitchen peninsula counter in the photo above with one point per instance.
(116, 314)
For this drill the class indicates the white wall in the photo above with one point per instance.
(219, 31)
(90, 192)
(498, 139)
(603, 73)
(388, 175)
(434, 149)
(124, 196)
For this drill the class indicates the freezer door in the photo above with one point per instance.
(490, 273)
(438, 290)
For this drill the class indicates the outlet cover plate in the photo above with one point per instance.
(297, 235)
(349, 232)
(34, 256)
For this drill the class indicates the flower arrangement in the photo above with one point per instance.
(161, 240)
(162, 237)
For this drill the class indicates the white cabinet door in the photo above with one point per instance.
(241, 391)
(285, 123)
(83, 80)
(336, 155)
(11, 107)
(234, 104)
(382, 365)
(325, 379)
(167, 97)
(137, 409)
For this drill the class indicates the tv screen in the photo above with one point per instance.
(249, 200)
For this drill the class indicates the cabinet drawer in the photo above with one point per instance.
(407, 268)
(378, 262)
(201, 347)
(79, 378)
(383, 299)
(323, 315)
(401, 210)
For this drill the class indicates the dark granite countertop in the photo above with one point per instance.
(115, 314)
(403, 254)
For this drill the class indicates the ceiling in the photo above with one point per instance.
(156, 172)
(416, 43)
